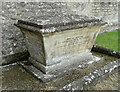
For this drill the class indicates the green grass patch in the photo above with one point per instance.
(108, 40)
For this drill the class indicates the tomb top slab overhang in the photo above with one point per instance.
(55, 57)
(49, 24)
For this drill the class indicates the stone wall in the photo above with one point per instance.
(108, 11)
(12, 38)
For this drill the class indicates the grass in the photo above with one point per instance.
(109, 40)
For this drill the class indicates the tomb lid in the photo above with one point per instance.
(47, 24)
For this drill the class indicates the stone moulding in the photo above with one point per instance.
(48, 27)
(56, 45)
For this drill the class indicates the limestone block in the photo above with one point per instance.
(56, 45)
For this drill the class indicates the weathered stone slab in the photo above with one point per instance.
(91, 79)
(17, 78)
(13, 41)
(69, 44)
(65, 51)
(106, 51)
(63, 66)
(53, 75)
(60, 43)
(8, 59)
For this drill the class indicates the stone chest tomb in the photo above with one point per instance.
(61, 43)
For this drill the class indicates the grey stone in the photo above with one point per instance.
(17, 78)
(85, 82)
(25, 10)
(55, 51)
(7, 59)
(46, 24)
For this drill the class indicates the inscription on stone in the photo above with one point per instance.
(74, 43)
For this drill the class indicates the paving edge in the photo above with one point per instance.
(9, 59)
(106, 51)
(49, 77)
(85, 82)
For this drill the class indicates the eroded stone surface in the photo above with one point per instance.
(71, 44)
(25, 10)
(18, 79)
(85, 82)
(110, 82)
(57, 51)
